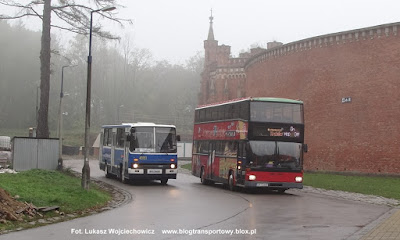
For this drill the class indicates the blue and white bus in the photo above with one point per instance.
(133, 151)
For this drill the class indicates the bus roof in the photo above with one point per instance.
(138, 124)
(257, 99)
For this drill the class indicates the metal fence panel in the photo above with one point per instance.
(24, 154)
(188, 150)
(32, 153)
(185, 150)
(47, 154)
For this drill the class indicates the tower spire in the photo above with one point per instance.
(211, 31)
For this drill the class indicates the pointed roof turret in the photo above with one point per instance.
(211, 31)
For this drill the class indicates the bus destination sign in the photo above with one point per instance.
(276, 131)
(283, 132)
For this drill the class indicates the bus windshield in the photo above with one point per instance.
(166, 140)
(150, 139)
(270, 155)
(276, 112)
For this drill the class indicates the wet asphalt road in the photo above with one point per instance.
(186, 206)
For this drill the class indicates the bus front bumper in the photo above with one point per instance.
(156, 173)
(271, 185)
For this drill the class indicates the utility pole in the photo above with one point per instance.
(86, 168)
(60, 120)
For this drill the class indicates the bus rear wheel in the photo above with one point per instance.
(202, 177)
(230, 182)
(106, 173)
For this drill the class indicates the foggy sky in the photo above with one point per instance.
(174, 30)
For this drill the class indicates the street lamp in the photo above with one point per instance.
(37, 106)
(118, 113)
(86, 169)
(60, 120)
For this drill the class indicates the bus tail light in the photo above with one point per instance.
(299, 179)
(239, 163)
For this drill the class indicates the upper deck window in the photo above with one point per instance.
(276, 112)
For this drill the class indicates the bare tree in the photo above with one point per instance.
(74, 18)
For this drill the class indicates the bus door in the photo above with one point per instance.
(113, 147)
(101, 158)
(119, 149)
(241, 163)
(211, 159)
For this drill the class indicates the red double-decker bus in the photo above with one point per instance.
(250, 143)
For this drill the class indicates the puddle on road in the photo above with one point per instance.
(316, 226)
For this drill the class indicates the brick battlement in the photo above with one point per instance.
(369, 33)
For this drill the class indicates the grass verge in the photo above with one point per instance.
(187, 166)
(52, 188)
(388, 187)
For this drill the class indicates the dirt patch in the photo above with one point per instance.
(13, 210)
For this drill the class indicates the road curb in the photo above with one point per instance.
(120, 196)
(372, 225)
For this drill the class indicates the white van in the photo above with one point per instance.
(5, 149)
(5, 143)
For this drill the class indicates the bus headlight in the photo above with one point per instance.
(252, 177)
(172, 165)
(299, 179)
(135, 165)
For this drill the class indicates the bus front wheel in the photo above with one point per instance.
(121, 176)
(281, 190)
(164, 181)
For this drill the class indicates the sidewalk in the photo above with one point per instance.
(386, 227)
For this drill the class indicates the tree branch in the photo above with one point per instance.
(27, 7)
(74, 15)
(71, 6)
(5, 17)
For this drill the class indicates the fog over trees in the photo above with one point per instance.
(75, 19)
(127, 84)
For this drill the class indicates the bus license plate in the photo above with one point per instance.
(154, 171)
(262, 184)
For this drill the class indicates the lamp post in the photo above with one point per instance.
(121, 106)
(86, 169)
(37, 106)
(60, 120)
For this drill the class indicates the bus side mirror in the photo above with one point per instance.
(305, 148)
(178, 138)
(132, 140)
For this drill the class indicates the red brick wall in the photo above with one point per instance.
(360, 136)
